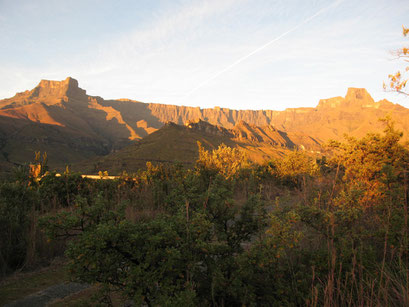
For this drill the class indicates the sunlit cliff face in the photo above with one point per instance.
(65, 104)
(89, 125)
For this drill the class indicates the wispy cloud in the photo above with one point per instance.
(233, 53)
(243, 58)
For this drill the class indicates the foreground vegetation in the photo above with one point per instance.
(294, 231)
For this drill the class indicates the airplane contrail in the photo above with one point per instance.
(260, 48)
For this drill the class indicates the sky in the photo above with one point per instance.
(237, 54)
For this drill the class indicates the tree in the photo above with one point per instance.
(295, 167)
(376, 165)
(398, 81)
(224, 160)
(190, 256)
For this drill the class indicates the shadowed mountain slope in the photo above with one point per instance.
(178, 143)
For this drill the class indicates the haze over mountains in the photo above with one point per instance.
(59, 118)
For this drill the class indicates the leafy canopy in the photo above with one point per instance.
(398, 80)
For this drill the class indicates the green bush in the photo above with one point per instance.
(17, 203)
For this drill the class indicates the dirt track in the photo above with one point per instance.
(42, 298)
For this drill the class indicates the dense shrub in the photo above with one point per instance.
(17, 204)
(294, 231)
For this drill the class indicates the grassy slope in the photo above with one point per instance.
(173, 143)
(23, 284)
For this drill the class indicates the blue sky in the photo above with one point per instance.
(239, 54)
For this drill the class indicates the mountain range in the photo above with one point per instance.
(58, 117)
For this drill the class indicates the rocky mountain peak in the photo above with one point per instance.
(242, 123)
(359, 96)
(47, 92)
(203, 126)
(68, 82)
(243, 130)
(330, 102)
(59, 89)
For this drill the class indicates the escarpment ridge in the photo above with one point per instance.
(60, 118)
